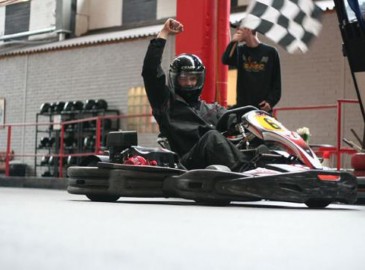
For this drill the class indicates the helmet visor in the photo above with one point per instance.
(188, 80)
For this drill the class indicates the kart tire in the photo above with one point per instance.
(220, 168)
(360, 201)
(210, 202)
(317, 203)
(88, 181)
(102, 198)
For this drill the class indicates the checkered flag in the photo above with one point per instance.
(290, 23)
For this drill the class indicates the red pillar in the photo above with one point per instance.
(224, 9)
(199, 18)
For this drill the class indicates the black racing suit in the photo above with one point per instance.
(189, 128)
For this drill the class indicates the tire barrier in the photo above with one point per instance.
(44, 160)
(47, 174)
(89, 142)
(76, 122)
(78, 105)
(73, 106)
(89, 105)
(52, 160)
(69, 127)
(59, 106)
(46, 142)
(45, 108)
(69, 141)
(101, 104)
(68, 107)
(89, 125)
(52, 107)
(71, 160)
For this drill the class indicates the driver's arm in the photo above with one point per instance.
(153, 76)
(232, 119)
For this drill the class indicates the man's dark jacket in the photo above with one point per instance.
(258, 73)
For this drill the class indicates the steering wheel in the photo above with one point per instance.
(222, 124)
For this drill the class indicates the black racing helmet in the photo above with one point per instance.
(185, 66)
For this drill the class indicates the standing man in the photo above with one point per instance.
(258, 70)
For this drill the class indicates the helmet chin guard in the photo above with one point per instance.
(189, 96)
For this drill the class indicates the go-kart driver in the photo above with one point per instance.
(183, 118)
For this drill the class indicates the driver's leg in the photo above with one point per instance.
(214, 148)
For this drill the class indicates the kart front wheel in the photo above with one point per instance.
(314, 203)
(102, 198)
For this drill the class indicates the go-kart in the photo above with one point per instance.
(282, 168)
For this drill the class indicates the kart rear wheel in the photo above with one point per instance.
(317, 203)
(102, 198)
(213, 202)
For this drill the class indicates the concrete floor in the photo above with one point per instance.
(51, 229)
